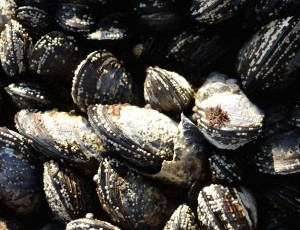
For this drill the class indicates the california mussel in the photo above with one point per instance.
(161, 114)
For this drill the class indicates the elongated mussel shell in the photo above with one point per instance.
(26, 95)
(20, 174)
(69, 195)
(54, 57)
(101, 78)
(221, 207)
(129, 199)
(35, 21)
(14, 43)
(90, 223)
(62, 136)
(166, 91)
(182, 218)
(7, 9)
(270, 57)
(143, 137)
(224, 114)
(212, 12)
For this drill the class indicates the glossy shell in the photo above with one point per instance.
(224, 114)
(166, 91)
(65, 137)
(129, 199)
(101, 78)
(221, 207)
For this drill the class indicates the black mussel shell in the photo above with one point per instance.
(144, 137)
(65, 137)
(35, 21)
(221, 207)
(167, 91)
(20, 174)
(294, 114)
(101, 78)
(69, 195)
(129, 199)
(182, 218)
(266, 62)
(54, 224)
(90, 223)
(212, 12)
(26, 95)
(38, 3)
(225, 116)
(14, 45)
(7, 9)
(54, 57)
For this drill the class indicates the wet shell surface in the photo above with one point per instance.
(20, 174)
(182, 219)
(65, 137)
(7, 9)
(101, 78)
(225, 116)
(212, 12)
(144, 137)
(166, 91)
(221, 207)
(129, 199)
(68, 195)
(272, 54)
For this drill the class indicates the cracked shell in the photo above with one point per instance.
(224, 114)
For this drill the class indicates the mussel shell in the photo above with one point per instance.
(294, 114)
(27, 95)
(54, 57)
(90, 223)
(129, 199)
(7, 9)
(212, 12)
(273, 53)
(225, 116)
(182, 218)
(166, 91)
(14, 43)
(69, 195)
(144, 137)
(20, 175)
(62, 136)
(221, 207)
(101, 78)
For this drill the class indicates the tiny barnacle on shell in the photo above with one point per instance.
(216, 116)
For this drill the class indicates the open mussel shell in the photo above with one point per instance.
(277, 153)
(54, 57)
(129, 199)
(88, 223)
(144, 137)
(20, 174)
(7, 10)
(26, 95)
(221, 207)
(225, 116)
(14, 43)
(270, 57)
(65, 137)
(69, 195)
(182, 218)
(166, 91)
(35, 21)
(212, 12)
(101, 78)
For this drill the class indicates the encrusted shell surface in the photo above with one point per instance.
(212, 12)
(20, 174)
(144, 137)
(182, 219)
(166, 91)
(7, 9)
(68, 194)
(272, 54)
(221, 207)
(65, 137)
(129, 199)
(225, 116)
(101, 78)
